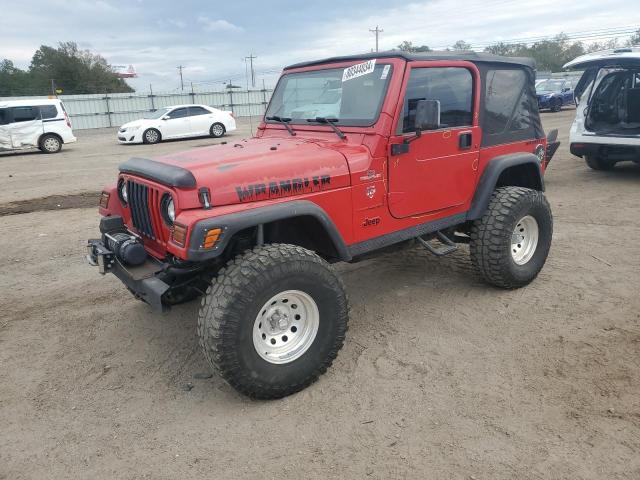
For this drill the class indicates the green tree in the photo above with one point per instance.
(73, 70)
(411, 48)
(597, 46)
(461, 45)
(635, 39)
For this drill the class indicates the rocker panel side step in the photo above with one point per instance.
(448, 247)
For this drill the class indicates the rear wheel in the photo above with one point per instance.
(273, 320)
(50, 143)
(217, 130)
(596, 162)
(151, 135)
(510, 243)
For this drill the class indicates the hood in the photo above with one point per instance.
(617, 57)
(251, 170)
(135, 123)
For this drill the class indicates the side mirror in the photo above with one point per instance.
(427, 115)
(566, 89)
(166, 117)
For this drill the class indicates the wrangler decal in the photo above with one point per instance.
(282, 188)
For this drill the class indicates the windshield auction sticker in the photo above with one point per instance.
(355, 71)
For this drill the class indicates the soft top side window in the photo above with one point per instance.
(451, 86)
(505, 99)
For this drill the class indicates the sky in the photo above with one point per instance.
(211, 39)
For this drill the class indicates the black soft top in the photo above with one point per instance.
(474, 57)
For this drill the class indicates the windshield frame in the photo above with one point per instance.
(329, 66)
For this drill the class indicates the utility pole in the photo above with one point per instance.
(180, 67)
(53, 87)
(253, 75)
(377, 31)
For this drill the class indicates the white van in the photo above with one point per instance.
(606, 129)
(42, 124)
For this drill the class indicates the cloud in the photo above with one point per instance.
(217, 25)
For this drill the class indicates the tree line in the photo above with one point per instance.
(550, 55)
(66, 68)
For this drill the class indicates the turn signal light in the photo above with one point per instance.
(104, 199)
(211, 237)
(179, 233)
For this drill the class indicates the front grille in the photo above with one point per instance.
(141, 198)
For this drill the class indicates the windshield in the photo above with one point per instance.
(157, 114)
(353, 95)
(549, 86)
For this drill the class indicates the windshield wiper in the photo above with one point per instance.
(285, 121)
(330, 122)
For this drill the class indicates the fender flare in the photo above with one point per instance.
(491, 174)
(234, 222)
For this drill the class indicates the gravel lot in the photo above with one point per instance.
(441, 377)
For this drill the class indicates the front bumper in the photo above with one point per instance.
(127, 136)
(144, 281)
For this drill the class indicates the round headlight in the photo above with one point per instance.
(171, 210)
(168, 209)
(122, 191)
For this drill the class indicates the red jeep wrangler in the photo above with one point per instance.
(355, 154)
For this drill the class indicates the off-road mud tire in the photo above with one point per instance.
(236, 296)
(491, 235)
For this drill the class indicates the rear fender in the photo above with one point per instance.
(515, 169)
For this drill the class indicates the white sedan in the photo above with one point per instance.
(178, 121)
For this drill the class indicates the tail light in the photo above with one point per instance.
(66, 117)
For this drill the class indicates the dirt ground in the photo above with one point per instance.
(441, 377)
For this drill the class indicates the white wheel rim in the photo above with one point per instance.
(152, 136)
(51, 144)
(286, 327)
(217, 130)
(524, 240)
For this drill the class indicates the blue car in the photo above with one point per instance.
(553, 94)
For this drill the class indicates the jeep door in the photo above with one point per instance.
(176, 123)
(438, 170)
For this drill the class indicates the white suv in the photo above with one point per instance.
(606, 129)
(42, 124)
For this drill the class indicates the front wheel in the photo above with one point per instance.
(556, 105)
(151, 135)
(273, 320)
(510, 243)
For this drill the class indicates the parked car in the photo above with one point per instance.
(178, 121)
(42, 124)
(553, 94)
(440, 147)
(606, 129)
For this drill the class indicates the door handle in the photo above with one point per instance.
(465, 140)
